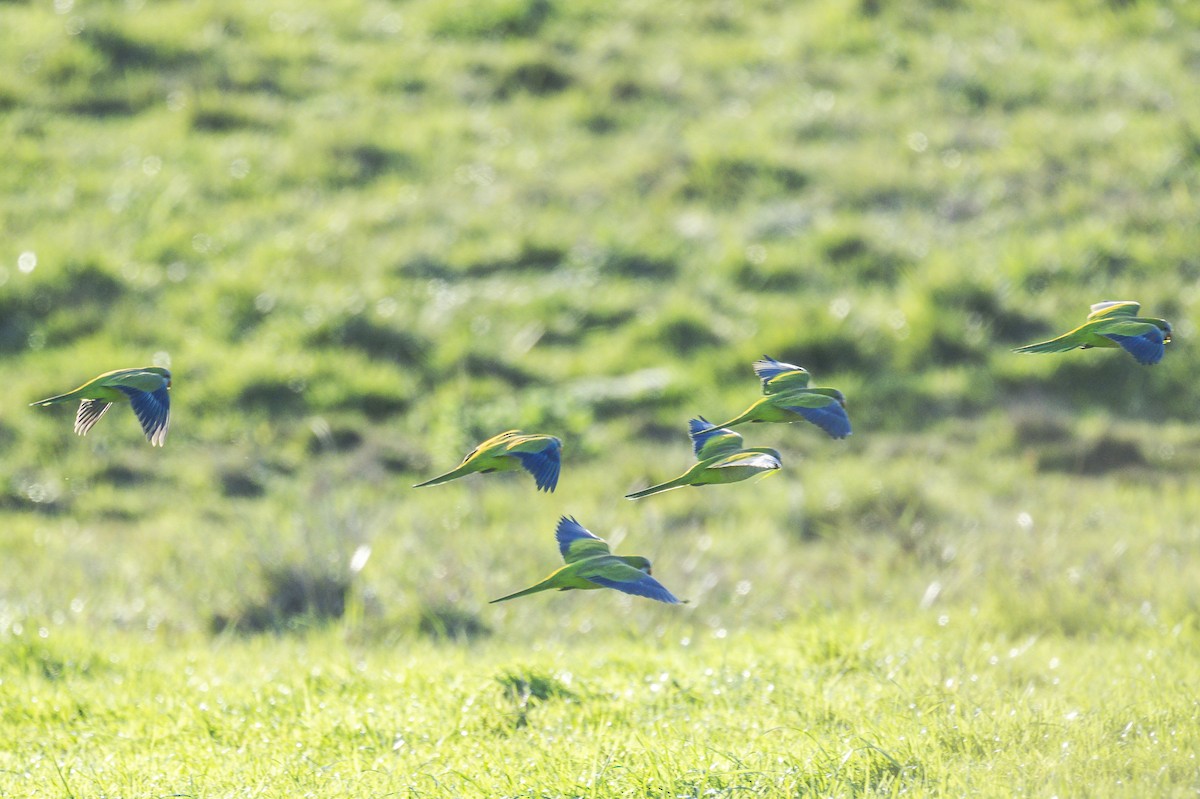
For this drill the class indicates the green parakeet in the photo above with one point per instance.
(591, 564)
(540, 455)
(1114, 323)
(146, 390)
(721, 459)
(787, 398)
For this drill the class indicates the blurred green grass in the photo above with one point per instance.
(367, 235)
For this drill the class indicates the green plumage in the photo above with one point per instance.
(509, 451)
(590, 564)
(722, 459)
(145, 389)
(1113, 324)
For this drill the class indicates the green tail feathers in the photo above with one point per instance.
(545, 585)
(441, 478)
(658, 489)
(70, 395)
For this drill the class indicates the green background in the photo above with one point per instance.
(365, 236)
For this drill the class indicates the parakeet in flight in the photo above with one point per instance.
(591, 564)
(1114, 323)
(787, 398)
(721, 459)
(145, 389)
(540, 455)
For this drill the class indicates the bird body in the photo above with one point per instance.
(538, 454)
(590, 564)
(787, 398)
(1112, 324)
(145, 389)
(722, 460)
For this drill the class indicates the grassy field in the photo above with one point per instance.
(366, 235)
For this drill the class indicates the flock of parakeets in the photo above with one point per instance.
(720, 456)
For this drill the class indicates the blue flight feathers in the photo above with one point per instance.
(768, 367)
(544, 465)
(1147, 349)
(152, 409)
(575, 541)
(831, 418)
(701, 430)
(644, 585)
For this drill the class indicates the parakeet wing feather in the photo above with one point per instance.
(633, 581)
(709, 441)
(778, 376)
(89, 413)
(543, 464)
(830, 417)
(749, 460)
(485, 447)
(1111, 308)
(1146, 348)
(153, 410)
(576, 543)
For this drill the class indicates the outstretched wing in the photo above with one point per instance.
(486, 447)
(90, 411)
(576, 543)
(829, 415)
(1146, 346)
(709, 441)
(778, 376)
(759, 461)
(1113, 308)
(541, 456)
(625, 578)
(153, 410)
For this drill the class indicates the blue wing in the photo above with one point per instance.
(831, 418)
(1146, 349)
(576, 543)
(708, 440)
(153, 410)
(643, 585)
(544, 465)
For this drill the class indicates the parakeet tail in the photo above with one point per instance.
(1053, 345)
(645, 492)
(69, 396)
(544, 585)
(441, 478)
